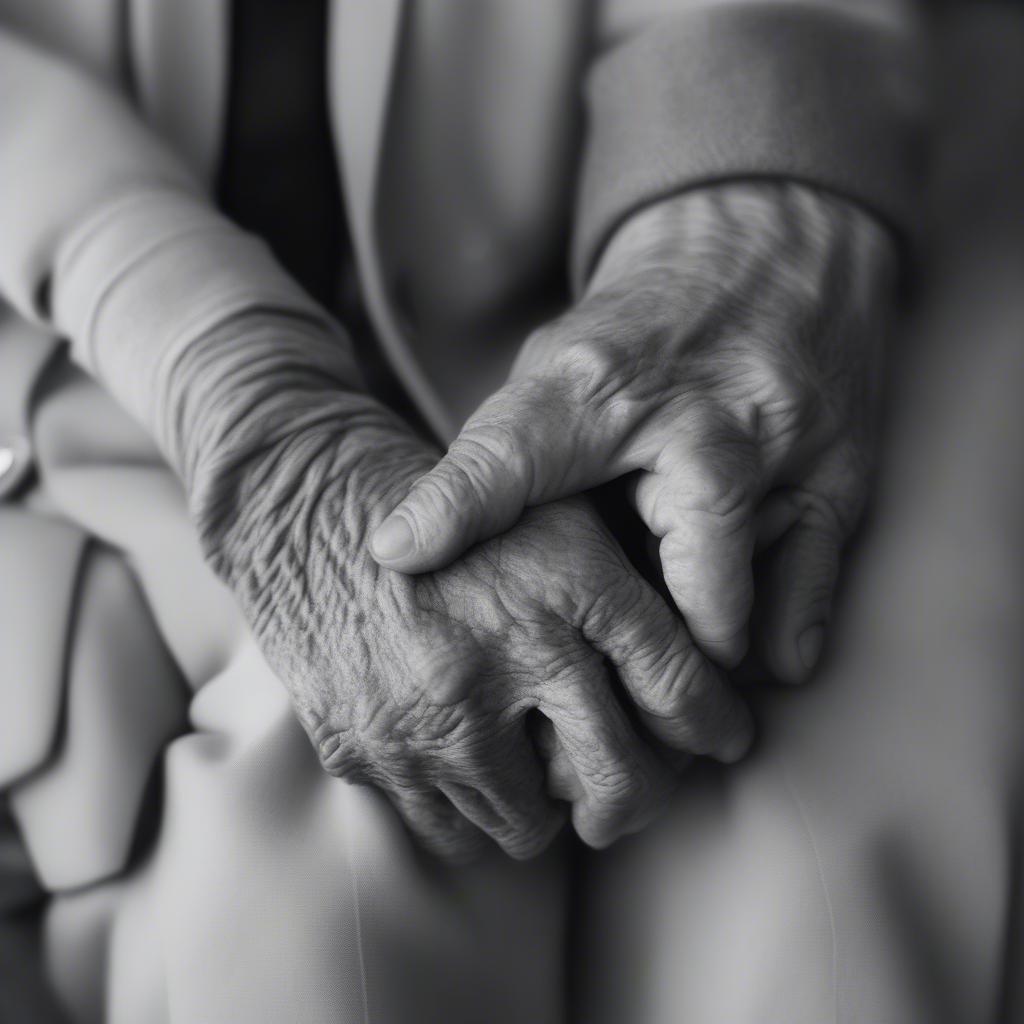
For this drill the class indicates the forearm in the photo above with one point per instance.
(274, 423)
(187, 320)
(194, 327)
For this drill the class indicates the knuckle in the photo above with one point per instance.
(681, 682)
(588, 357)
(601, 817)
(585, 335)
(523, 826)
(585, 353)
(403, 776)
(618, 790)
(789, 406)
(719, 487)
(472, 755)
(783, 380)
(568, 670)
(336, 754)
(444, 675)
(542, 346)
(608, 386)
(625, 605)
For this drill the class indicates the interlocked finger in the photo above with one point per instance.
(439, 827)
(503, 792)
(682, 697)
(623, 783)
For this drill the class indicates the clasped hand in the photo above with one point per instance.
(725, 361)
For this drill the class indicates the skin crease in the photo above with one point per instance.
(726, 357)
(424, 686)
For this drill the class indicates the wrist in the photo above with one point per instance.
(289, 450)
(743, 219)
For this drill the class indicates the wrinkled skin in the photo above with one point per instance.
(726, 358)
(424, 685)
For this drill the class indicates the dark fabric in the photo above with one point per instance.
(25, 997)
(278, 177)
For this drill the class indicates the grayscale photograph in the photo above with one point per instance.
(511, 512)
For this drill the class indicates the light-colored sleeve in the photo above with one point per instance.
(682, 93)
(68, 144)
(110, 241)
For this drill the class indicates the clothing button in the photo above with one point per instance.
(15, 463)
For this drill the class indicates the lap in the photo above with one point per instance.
(277, 893)
(862, 864)
(268, 891)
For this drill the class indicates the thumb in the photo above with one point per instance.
(514, 452)
(472, 492)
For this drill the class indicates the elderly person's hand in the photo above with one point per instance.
(727, 350)
(434, 688)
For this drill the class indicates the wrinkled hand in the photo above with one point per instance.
(424, 686)
(727, 350)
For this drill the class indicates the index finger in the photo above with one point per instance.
(622, 784)
(683, 698)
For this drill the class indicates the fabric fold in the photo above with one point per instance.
(40, 560)
(79, 812)
(750, 90)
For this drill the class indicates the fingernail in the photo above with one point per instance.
(809, 645)
(392, 539)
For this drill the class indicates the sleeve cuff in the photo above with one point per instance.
(150, 272)
(747, 91)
